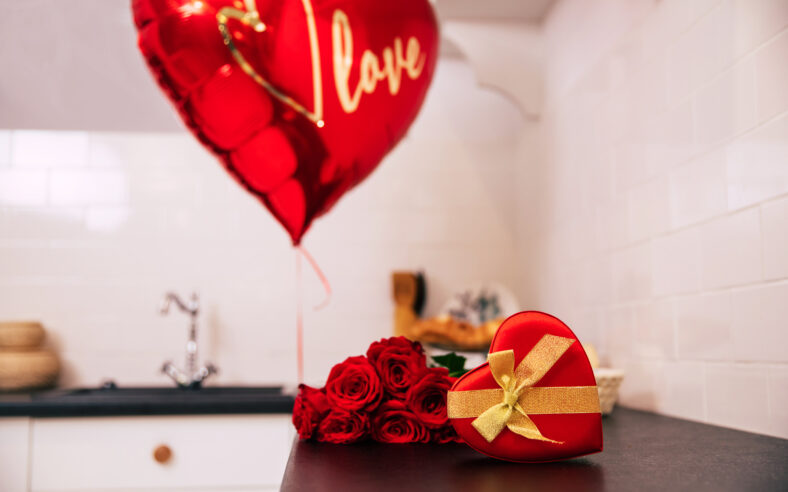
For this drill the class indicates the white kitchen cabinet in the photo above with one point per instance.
(226, 452)
(14, 453)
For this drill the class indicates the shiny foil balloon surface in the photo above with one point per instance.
(300, 99)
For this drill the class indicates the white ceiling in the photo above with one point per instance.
(510, 10)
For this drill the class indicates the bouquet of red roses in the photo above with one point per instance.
(389, 395)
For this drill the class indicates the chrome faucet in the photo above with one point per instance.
(192, 376)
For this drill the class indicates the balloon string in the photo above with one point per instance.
(300, 304)
(299, 320)
(320, 275)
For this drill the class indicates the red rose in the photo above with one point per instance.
(354, 385)
(398, 361)
(311, 405)
(445, 434)
(343, 427)
(427, 397)
(394, 423)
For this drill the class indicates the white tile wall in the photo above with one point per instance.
(703, 327)
(737, 395)
(727, 106)
(774, 217)
(778, 399)
(690, 203)
(772, 77)
(96, 227)
(686, 101)
(758, 319)
(48, 149)
(684, 391)
(677, 262)
(23, 188)
(5, 147)
(731, 250)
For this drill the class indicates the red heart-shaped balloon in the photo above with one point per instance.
(300, 99)
(572, 434)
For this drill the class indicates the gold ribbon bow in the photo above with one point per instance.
(510, 405)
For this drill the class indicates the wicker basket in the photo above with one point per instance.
(28, 370)
(607, 382)
(21, 335)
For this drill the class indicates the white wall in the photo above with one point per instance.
(95, 227)
(656, 217)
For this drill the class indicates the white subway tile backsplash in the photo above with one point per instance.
(774, 217)
(690, 106)
(146, 150)
(754, 21)
(23, 187)
(620, 328)
(619, 114)
(644, 384)
(685, 390)
(757, 165)
(731, 250)
(699, 8)
(737, 396)
(681, 58)
(758, 323)
(106, 219)
(668, 139)
(42, 148)
(595, 281)
(35, 224)
(709, 56)
(649, 210)
(654, 330)
(703, 327)
(5, 147)
(650, 85)
(629, 162)
(728, 106)
(612, 224)
(88, 187)
(698, 190)
(778, 400)
(771, 74)
(677, 263)
(632, 275)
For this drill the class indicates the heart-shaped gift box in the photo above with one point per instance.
(536, 397)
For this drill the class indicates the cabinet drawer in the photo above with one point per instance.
(14, 440)
(204, 452)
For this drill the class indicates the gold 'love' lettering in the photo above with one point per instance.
(395, 60)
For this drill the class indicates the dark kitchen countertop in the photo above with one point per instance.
(146, 401)
(643, 451)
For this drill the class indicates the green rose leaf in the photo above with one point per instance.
(453, 362)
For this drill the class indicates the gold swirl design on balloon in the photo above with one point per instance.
(251, 17)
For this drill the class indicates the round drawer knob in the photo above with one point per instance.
(162, 454)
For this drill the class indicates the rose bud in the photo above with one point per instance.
(394, 423)
(427, 397)
(397, 361)
(311, 405)
(343, 427)
(354, 385)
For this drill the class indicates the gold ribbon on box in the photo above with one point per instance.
(510, 405)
